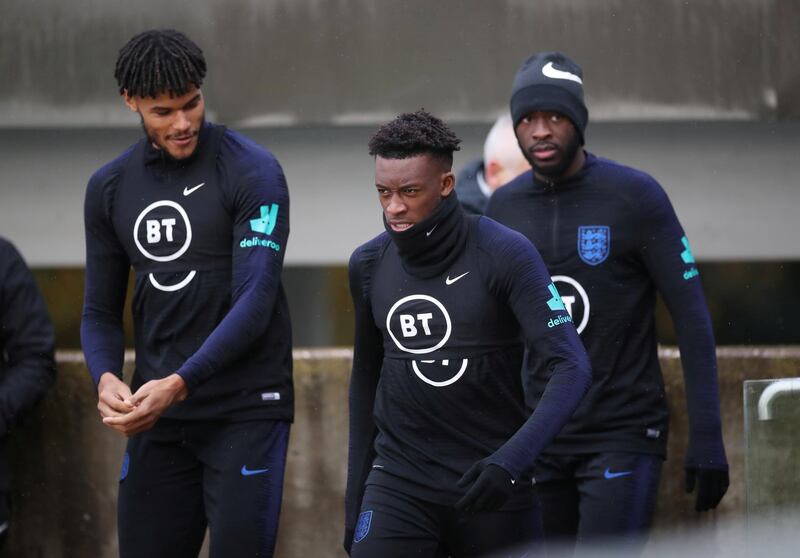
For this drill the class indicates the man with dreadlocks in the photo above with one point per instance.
(201, 213)
(440, 441)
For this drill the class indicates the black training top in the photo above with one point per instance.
(206, 238)
(436, 384)
(27, 341)
(610, 239)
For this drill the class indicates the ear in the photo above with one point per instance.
(130, 102)
(448, 183)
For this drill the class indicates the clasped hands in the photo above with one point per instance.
(130, 413)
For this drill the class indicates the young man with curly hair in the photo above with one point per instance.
(441, 445)
(201, 213)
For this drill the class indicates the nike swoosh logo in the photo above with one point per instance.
(187, 191)
(449, 281)
(431, 231)
(609, 475)
(553, 73)
(247, 472)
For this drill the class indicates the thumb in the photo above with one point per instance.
(470, 476)
(136, 398)
(691, 477)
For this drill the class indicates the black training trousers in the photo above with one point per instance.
(182, 476)
(395, 525)
(588, 499)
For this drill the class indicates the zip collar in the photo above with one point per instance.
(551, 186)
(164, 166)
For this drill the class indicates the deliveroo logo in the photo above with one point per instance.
(686, 255)
(688, 258)
(266, 223)
(555, 303)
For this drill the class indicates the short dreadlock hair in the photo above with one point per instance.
(415, 133)
(159, 61)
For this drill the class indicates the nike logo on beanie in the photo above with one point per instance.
(548, 70)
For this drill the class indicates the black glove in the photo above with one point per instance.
(491, 488)
(711, 486)
(348, 539)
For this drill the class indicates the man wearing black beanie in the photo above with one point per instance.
(611, 240)
(441, 446)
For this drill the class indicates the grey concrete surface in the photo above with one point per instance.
(355, 61)
(67, 463)
(733, 184)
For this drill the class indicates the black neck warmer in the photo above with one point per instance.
(429, 247)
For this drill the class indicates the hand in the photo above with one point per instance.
(491, 488)
(711, 486)
(149, 402)
(112, 396)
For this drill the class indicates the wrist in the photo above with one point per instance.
(179, 387)
(107, 378)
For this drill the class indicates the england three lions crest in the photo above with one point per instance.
(363, 525)
(594, 244)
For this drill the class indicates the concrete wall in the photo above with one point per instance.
(733, 184)
(354, 61)
(67, 463)
(306, 76)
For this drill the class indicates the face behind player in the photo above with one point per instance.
(551, 144)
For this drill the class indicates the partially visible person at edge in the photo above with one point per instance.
(441, 444)
(201, 213)
(611, 240)
(27, 367)
(502, 161)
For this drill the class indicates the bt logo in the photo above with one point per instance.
(418, 324)
(161, 230)
(154, 229)
(439, 374)
(165, 237)
(408, 327)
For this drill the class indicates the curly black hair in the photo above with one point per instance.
(159, 61)
(414, 133)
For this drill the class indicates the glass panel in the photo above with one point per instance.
(772, 447)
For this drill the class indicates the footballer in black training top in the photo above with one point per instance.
(201, 214)
(610, 238)
(441, 443)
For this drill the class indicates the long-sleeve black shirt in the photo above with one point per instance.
(611, 239)
(206, 239)
(27, 340)
(436, 383)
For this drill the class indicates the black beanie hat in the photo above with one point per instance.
(550, 81)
